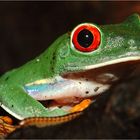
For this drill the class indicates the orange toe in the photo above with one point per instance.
(6, 119)
(81, 106)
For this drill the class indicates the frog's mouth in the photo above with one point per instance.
(76, 88)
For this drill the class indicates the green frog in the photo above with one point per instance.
(77, 67)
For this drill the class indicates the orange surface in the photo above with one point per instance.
(81, 106)
(6, 119)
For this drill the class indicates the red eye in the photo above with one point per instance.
(86, 38)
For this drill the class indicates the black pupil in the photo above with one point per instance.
(85, 38)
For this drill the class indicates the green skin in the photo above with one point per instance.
(118, 41)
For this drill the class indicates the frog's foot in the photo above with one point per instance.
(6, 126)
(81, 106)
(72, 107)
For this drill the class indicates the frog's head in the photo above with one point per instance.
(95, 56)
(90, 46)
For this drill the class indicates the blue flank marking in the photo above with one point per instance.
(36, 88)
(46, 86)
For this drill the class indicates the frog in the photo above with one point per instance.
(78, 66)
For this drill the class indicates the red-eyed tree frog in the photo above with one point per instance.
(77, 67)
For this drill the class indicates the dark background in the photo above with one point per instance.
(28, 28)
